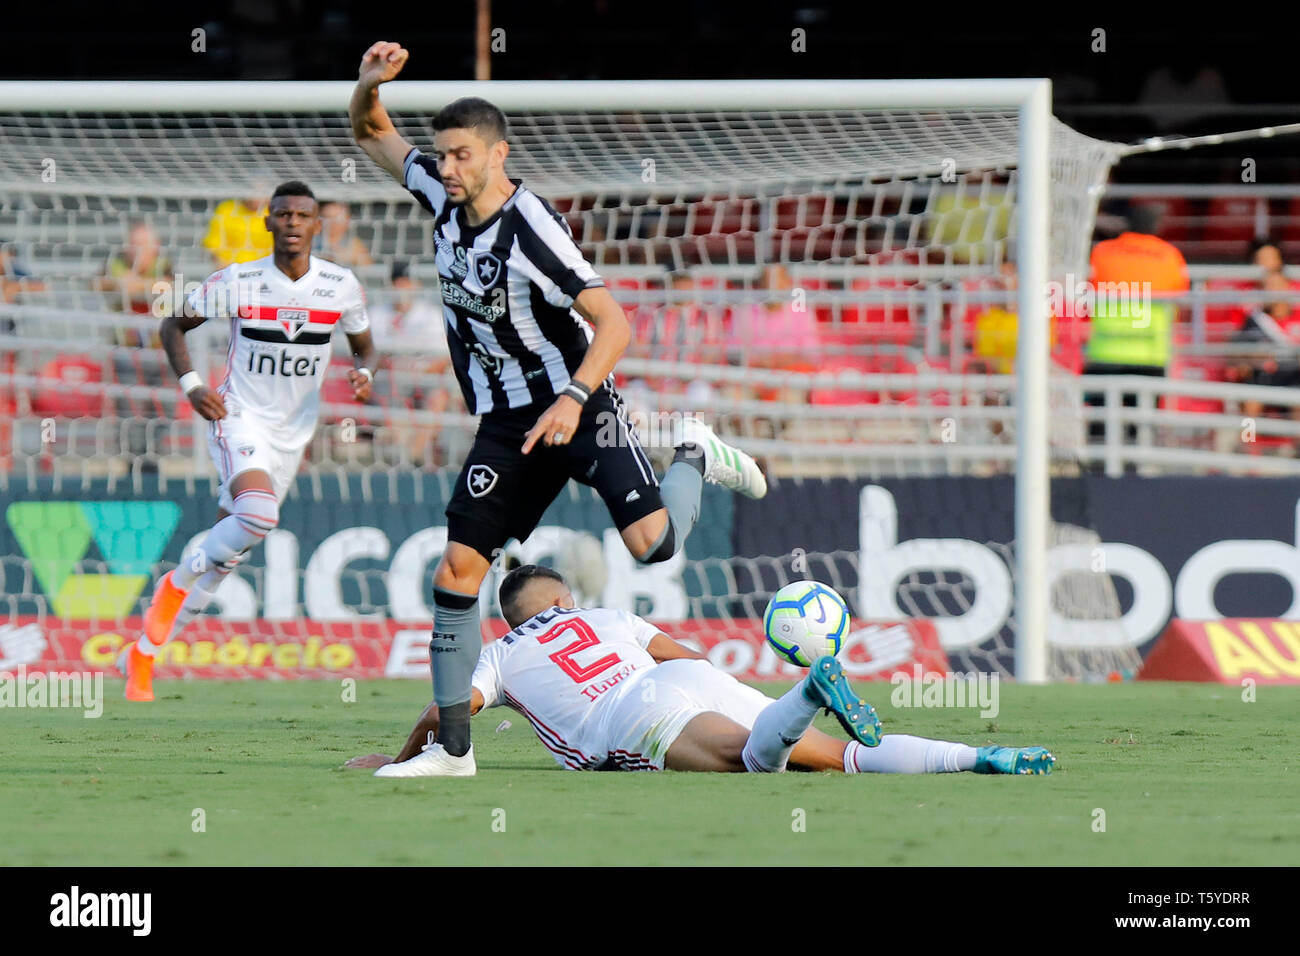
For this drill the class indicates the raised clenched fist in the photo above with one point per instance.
(382, 62)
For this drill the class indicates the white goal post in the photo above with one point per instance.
(1029, 100)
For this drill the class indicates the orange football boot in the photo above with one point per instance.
(166, 604)
(138, 668)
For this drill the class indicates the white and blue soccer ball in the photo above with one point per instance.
(804, 621)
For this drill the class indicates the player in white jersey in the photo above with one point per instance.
(282, 312)
(606, 690)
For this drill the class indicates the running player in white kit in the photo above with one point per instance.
(606, 690)
(282, 312)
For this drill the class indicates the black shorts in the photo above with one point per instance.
(501, 493)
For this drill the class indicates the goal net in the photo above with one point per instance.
(835, 287)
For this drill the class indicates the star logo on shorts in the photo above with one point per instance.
(246, 450)
(480, 480)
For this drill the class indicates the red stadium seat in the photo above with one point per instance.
(1195, 369)
(889, 364)
(1230, 225)
(60, 397)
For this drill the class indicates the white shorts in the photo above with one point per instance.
(652, 712)
(239, 444)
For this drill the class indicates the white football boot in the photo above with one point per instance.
(724, 464)
(432, 761)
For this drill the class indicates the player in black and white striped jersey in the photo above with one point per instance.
(534, 336)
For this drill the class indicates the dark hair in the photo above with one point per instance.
(294, 187)
(1143, 219)
(1262, 242)
(471, 112)
(513, 585)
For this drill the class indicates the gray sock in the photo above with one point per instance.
(681, 490)
(453, 653)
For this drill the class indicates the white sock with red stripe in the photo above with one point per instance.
(776, 730)
(903, 753)
(199, 597)
(255, 514)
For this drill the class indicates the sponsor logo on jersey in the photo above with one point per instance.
(323, 293)
(251, 274)
(292, 320)
(282, 362)
(332, 276)
(492, 364)
(487, 269)
(480, 479)
(456, 296)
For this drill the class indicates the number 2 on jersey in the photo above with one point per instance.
(564, 657)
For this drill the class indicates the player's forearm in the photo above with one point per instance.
(366, 356)
(172, 333)
(612, 337)
(367, 114)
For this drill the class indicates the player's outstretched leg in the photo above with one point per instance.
(723, 464)
(781, 725)
(700, 456)
(827, 686)
(184, 592)
(904, 753)
(1029, 760)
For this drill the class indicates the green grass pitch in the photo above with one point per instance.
(1186, 775)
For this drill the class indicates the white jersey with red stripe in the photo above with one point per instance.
(566, 671)
(280, 339)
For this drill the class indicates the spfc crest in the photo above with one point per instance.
(292, 320)
(487, 269)
(481, 479)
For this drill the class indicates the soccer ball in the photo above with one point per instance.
(804, 621)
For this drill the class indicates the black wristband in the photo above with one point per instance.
(577, 391)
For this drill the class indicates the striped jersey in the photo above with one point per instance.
(565, 671)
(508, 287)
(280, 334)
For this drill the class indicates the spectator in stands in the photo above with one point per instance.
(131, 274)
(409, 319)
(1267, 256)
(996, 325)
(1131, 333)
(237, 231)
(413, 331)
(778, 333)
(338, 243)
(15, 280)
(1276, 329)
